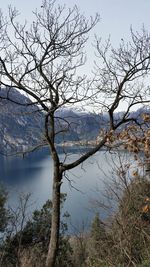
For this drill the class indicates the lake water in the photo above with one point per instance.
(34, 174)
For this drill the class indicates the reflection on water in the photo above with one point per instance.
(34, 174)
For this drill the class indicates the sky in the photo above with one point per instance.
(117, 16)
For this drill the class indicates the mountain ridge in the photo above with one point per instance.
(22, 127)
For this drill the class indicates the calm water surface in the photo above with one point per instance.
(34, 174)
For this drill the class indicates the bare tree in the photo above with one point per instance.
(43, 61)
(123, 236)
(16, 220)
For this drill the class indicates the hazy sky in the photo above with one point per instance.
(116, 15)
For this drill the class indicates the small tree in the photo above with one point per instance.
(97, 227)
(4, 219)
(43, 61)
(28, 244)
(3, 210)
(124, 237)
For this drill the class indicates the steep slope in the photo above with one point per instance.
(19, 125)
(78, 125)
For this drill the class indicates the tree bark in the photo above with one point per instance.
(55, 223)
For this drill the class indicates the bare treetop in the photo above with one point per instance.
(42, 59)
(122, 73)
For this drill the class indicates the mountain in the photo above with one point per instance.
(80, 125)
(20, 126)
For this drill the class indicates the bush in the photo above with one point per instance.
(3, 210)
(29, 246)
(126, 240)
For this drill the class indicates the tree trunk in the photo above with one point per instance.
(55, 224)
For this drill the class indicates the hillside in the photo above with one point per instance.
(21, 127)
